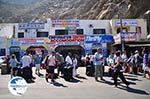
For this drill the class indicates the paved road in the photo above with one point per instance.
(83, 88)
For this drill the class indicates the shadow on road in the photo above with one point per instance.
(75, 80)
(81, 77)
(57, 84)
(105, 82)
(133, 79)
(133, 90)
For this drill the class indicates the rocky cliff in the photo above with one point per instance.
(24, 11)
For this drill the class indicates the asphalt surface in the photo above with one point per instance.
(82, 87)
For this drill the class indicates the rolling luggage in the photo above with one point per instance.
(26, 73)
(90, 70)
(68, 73)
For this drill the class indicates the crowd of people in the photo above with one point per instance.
(54, 64)
(57, 65)
(135, 63)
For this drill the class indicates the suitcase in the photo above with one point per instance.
(26, 73)
(67, 70)
(90, 70)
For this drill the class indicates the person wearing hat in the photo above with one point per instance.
(98, 62)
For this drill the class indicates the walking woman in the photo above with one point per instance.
(118, 70)
(37, 62)
(13, 64)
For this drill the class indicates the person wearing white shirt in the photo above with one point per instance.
(26, 61)
(27, 71)
(74, 66)
(68, 59)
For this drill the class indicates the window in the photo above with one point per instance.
(79, 31)
(124, 29)
(99, 31)
(21, 35)
(42, 34)
(61, 32)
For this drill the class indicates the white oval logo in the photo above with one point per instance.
(17, 86)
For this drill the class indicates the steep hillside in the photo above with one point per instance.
(28, 10)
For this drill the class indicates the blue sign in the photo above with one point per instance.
(14, 42)
(99, 39)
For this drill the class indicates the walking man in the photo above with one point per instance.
(99, 60)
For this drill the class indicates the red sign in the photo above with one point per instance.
(58, 39)
(66, 38)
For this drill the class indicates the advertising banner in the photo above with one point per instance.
(14, 42)
(65, 23)
(3, 42)
(127, 37)
(66, 39)
(99, 39)
(31, 26)
(31, 41)
(128, 22)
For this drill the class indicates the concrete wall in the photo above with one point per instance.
(131, 28)
(6, 29)
(84, 24)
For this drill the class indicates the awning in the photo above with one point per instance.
(138, 45)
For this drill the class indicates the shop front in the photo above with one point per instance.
(67, 43)
(92, 42)
(31, 45)
(128, 32)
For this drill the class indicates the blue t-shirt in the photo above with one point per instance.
(98, 60)
(13, 63)
(37, 60)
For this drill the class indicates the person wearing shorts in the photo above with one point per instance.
(51, 67)
(37, 64)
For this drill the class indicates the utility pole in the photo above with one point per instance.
(121, 34)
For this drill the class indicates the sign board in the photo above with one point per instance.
(126, 22)
(3, 42)
(99, 39)
(31, 41)
(14, 42)
(31, 26)
(66, 39)
(127, 37)
(65, 23)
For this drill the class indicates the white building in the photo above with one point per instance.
(6, 32)
(62, 35)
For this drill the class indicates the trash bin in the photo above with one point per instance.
(4, 69)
